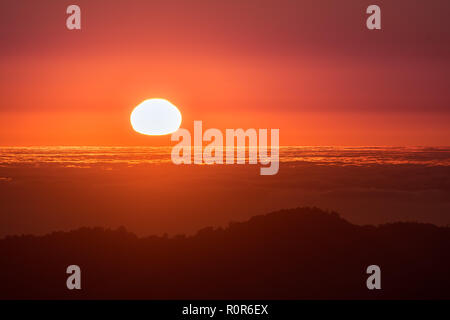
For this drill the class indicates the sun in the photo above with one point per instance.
(155, 117)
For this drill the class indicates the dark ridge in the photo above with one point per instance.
(302, 253)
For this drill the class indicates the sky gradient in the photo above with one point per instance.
(311, 69)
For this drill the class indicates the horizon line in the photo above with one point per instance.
(169, 146)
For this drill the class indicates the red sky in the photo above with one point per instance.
(309, 68)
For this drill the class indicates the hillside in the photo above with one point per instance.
(290, 254)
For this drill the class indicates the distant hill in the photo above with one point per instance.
(303, 253)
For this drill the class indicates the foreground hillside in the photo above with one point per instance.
(290, 254)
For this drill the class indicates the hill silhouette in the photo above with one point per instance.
(302, 253)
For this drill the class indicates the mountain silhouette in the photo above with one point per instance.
(302, 253)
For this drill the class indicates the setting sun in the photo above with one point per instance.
(155, 117)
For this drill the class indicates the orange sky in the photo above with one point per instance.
(309, 68)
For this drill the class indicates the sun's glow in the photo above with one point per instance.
(155, 117)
